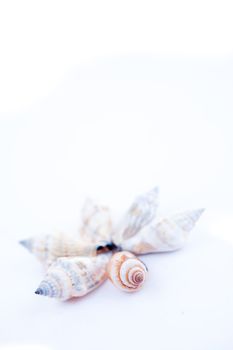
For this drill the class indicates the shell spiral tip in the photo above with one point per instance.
(199, 212)
(126, 272)
(26, 243)
(39, 291)
(155, 189)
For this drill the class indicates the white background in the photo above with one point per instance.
(109, 99)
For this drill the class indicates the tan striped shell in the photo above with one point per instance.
(126, 272)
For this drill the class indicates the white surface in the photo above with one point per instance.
(41, 41)
(106, 134)
(109, 99)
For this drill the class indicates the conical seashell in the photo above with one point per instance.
(141, 212)
(166, 235)
(48, 248)
(126, 272)
(97, 223)
(73, 277)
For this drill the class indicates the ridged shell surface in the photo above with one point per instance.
(47, 248)
(165, 235)
(73, 277)
(97, 223)
(141, 213)
(126, 272)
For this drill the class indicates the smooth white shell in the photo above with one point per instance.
(141, 213)
(73, 277)
(126, 272)
(164, 235)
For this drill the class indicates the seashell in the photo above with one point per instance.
(48, 248)
(126, 272)
(141, 212)
(97, 223)
(73, 277)
(166, 235)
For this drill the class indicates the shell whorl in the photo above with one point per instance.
(73, 277)
(126, 272)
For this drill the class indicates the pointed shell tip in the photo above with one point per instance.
(25, 243)
(39, 291)
(201, 211)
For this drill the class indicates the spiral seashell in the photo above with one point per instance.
(141, 212)
(47, 248)
(73, 277)
(165, 235)
(126, 272)
(97, 223)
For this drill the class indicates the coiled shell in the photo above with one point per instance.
(164, 235)
(141, 212)
(126, 272)
(47, 248)
(73, 277)
(97, 223)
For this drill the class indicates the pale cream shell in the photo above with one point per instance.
(126, 272)
(47, 248)
(96, 222)
(164, 235)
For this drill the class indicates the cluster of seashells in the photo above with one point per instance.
(77, 265)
